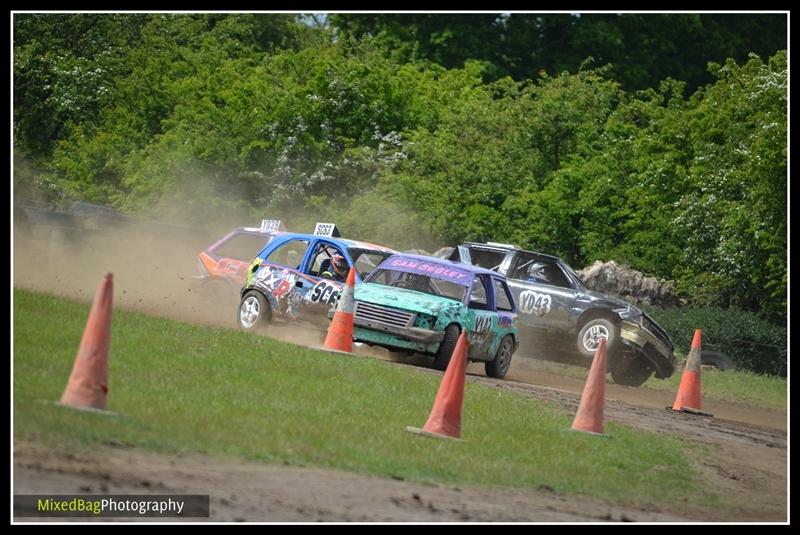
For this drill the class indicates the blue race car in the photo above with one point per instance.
(285, 281)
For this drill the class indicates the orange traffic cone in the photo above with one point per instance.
(445, 418)
(688, 398)
(589, 417)
(340, 333)
(88, 382)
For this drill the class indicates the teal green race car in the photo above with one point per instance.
(422, 304)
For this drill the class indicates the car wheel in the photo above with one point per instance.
(442, 358)
(502, 360)
(631, 371)
(592, 331)
(255, 312)
(720, 361)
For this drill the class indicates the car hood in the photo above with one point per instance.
(613, 303)
(380, 294)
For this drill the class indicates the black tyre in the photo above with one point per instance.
(255, 312)
(442, 358)
(631, 371)
(720, 361)
(592, 331)
(502, 360)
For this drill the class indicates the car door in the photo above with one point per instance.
(482, 329)
(319, 293)
(276, 271)
(544, 306)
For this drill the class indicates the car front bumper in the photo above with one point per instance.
(413, 334)
(656, 351)
(394, 337)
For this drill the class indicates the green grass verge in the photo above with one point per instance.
(180, 388)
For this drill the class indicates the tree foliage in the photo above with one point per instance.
(420, 130)
(643, 49)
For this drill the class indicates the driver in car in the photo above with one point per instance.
(337, 270)
(538, 273)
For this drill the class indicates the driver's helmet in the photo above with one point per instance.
(537, 272)
(339, 265)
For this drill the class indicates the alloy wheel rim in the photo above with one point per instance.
(592, 337)
(249, 312)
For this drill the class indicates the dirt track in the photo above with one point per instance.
(747, 464)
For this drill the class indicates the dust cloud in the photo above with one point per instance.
(154, 269)
(155, 273)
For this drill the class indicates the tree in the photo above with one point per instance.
(64, 72)
(734, 213)
(643, 49)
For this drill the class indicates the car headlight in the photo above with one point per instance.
(629, 313)
(425, 321)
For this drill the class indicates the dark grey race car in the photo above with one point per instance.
(557, 311)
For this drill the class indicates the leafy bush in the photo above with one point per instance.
(753, 343)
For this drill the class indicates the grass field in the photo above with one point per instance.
(180, 388)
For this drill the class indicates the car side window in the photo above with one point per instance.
(321, 262)
(478, 298)
(502, 300)
(520, 270)
(539, 270)
(556, 277)
(290, 254)
(242, 246)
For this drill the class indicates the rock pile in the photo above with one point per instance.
(619, 280)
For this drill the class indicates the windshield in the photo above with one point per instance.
(366, 260)
(419, 283)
